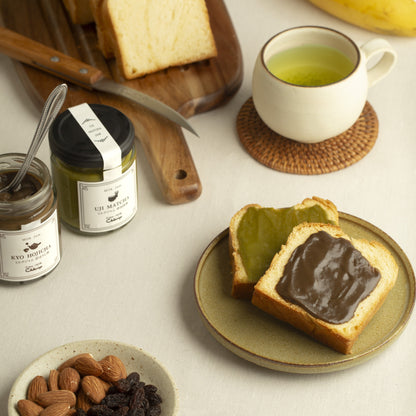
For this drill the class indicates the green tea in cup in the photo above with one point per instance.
(310, 65)
(326, 79)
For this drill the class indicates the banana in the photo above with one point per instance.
(390, 17)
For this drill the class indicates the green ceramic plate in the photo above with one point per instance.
(257, 337)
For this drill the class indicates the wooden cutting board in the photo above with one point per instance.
(189, 89)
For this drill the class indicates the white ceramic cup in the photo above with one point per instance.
(313, 114)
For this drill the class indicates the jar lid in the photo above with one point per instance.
(70, 143)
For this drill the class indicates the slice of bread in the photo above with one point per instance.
(339, 336)
(102, 24)
(79, 11)
(243, 278)
(151, 35)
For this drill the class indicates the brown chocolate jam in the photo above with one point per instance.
(29, 186)
(328, 278)
(29, 226)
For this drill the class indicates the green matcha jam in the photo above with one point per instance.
(66, 178)
(262, 232)
(93, 163)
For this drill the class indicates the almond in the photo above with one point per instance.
(113, 368)
(53, 380)
(93, 388)
(28, 408)
(56, 396)
(87, 366)
(57, 409)
(71, 361)
(105, 385)
(69, 379)
(36, 386)
(83, 402)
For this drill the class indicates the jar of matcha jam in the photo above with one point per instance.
(93, 162)
(29, 226)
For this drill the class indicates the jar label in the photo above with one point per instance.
(109, 204)
(31, 252)
(98, 134)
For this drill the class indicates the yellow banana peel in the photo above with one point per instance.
(391, 17)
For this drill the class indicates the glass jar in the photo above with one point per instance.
(93, 163)
(30, 245)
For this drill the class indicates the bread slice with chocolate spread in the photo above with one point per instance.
(327, 284)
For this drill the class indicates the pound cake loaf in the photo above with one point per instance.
(256, 234)
(327, 284)
(150, 35)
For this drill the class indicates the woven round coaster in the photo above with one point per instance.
(285, 155)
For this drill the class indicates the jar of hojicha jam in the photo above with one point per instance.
(29, 227)
(93, 162)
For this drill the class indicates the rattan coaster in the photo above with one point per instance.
(285, 155)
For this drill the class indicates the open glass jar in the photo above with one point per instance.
(29, 226)
(93, 162)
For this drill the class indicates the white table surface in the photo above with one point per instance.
(135, 285)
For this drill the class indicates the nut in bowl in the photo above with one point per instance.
(81, 374)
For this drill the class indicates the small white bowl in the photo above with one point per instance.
(134, 359)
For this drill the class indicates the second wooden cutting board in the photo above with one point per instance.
(190, 89)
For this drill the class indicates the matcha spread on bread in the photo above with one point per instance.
(257, 234)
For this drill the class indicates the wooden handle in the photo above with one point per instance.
(169, 156)
(47, 59)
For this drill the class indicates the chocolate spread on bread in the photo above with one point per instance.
(327, 277)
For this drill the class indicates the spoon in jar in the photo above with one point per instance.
(50, 110)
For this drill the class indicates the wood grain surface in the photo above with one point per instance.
(189, 89)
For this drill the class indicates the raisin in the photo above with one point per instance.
(136, 411)
(145, 404)
(112, 390)
(80, 412)
(123, 385)
(137, 397)
(116, 400)
(154, 411)
(100, 410)
(150, 388)
(154, 399)
(133, 379)
(122, 411)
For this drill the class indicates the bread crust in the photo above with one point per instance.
(340, 337)
(79, 11)
(242, 288)
(105, 42)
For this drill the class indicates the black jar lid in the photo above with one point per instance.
(70, 143)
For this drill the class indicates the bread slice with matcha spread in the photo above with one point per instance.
(257, 233)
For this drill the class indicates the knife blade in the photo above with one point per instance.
(36, 54)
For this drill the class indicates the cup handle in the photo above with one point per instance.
(386, 63)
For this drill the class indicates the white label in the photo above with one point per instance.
(107, 205)
(98, 134)
(31, 252)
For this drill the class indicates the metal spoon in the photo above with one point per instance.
(50, 110)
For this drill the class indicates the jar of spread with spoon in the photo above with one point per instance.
(93, 162)
(29, 227)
